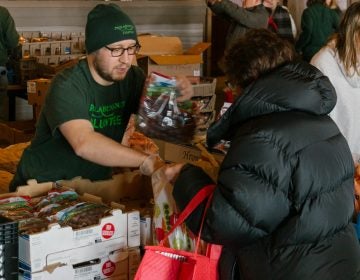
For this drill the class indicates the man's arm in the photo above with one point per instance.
(95, 147)
(233, 12)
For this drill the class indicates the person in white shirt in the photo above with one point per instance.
(340, 61)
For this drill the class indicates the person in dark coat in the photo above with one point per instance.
(284, 199)
(318, 22)
(252, 14)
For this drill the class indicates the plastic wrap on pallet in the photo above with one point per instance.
(9, 245)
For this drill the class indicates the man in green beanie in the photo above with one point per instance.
(88, 107)
(9, 39)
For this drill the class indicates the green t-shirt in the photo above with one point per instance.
(74, 94)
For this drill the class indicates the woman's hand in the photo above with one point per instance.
(171, 171)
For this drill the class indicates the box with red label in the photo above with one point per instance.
(120, 264)
(65, 245)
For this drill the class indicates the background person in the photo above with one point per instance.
(280, 21)
(318, 22)
(332, 4)
(9, 40)
(88, 107)
(284, 198)
(252, 14)
(339, 60)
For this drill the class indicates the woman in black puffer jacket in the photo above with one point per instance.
(283, 204)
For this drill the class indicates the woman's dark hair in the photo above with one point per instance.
(257, 52)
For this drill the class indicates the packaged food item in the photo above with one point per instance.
(33, 225)
(162, 116)
(82, 214)
(57, 197)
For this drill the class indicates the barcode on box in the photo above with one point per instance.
(82, 233)
(83, 270)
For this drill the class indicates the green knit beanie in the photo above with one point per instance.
(107, 24)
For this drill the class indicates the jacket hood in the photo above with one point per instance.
(292, 87)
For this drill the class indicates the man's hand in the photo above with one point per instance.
(151, 164)
(172, 171)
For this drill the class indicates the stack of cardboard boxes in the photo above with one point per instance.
(53, 48)
(107, 250)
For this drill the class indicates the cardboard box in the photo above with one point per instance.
(130, 185)
(119, 264)
(146, 230)
(134, 261)
(182, 153)
(13, 132)
(36, 90)
(165, 55)
(43, 251)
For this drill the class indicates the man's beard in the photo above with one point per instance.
(105, 75)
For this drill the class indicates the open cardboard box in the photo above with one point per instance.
(128, 185)
(165, 55)
(61, 246)
(181, 153)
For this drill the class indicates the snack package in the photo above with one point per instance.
(161, 116)
(81, 215)
(165, 215)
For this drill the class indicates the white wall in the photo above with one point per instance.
(185, 19)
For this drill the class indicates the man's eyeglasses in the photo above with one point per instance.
(115, 52)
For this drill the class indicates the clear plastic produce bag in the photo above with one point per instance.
(161, 116)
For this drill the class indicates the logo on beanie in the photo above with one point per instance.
(125, 29)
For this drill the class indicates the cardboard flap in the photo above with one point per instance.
(33, 189)
(118, 256)
(127, 184)
(151, 44)
(52, 267)
(176, 59)
(198, 48)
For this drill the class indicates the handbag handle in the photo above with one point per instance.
(201, 195)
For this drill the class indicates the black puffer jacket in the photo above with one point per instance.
(284, 197)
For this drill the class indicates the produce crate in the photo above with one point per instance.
(206, 87)
(9, 245)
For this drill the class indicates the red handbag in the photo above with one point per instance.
(163, 263)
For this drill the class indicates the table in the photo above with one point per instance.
(14, 91)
